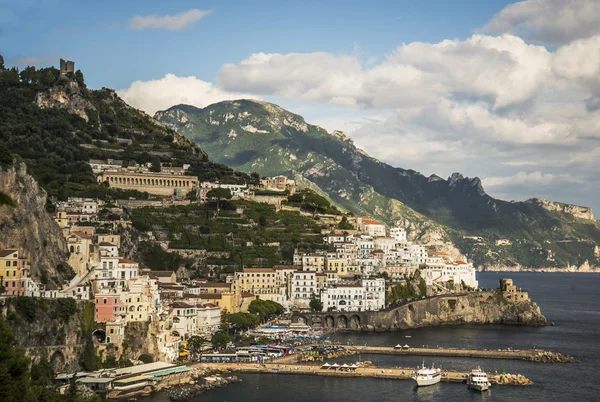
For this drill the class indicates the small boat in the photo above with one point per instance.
(478, 380)
(427, 376)
(407, 336)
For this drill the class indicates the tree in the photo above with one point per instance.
(243, 321)
(195, 343)
(79, 79)
(344, 224)
(146, 358)
(88, 356)
(315, 303)
(14, 367)
(219, 194)
(155, 166)
(220, 340)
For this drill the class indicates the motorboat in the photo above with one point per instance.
(427, 376)
(478, 380)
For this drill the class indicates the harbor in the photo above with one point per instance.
(371, 371)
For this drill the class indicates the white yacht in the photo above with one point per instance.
(428, 376)
(478, 380)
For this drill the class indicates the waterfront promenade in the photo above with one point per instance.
(371, 372)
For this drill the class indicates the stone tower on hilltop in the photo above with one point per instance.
(66, 66)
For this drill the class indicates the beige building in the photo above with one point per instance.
(152, 183)
(266, 283)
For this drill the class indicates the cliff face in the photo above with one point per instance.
(49, 329)
(28, 227)
(67, 97)
(483, 308)
(575, 210)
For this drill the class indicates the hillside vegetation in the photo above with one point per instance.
(57, 125)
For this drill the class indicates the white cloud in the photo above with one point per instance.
(552, 22)
(171, 90)
(169, 22)
(535, 179)
(501, 71)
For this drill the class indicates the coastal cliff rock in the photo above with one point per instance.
(475, 308)
(47, 328)
(575, 210)
(28, 227)
(66, 97)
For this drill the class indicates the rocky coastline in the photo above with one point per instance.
(200, 386)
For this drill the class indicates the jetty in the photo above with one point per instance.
(367, 372)
(536, 355)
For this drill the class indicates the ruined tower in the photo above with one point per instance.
(66, 66)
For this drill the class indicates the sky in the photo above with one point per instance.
(506, 91)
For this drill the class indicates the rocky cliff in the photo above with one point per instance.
(50, 329)
(575, 210)
(67, 97)
(29, 228)
(475, 308)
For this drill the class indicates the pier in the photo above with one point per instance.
(506, 354)
(368, 372)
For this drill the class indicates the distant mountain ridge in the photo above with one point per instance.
(259, 136)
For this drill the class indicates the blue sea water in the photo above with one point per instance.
(571, 301)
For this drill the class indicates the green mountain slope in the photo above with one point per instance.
(259, 136)
(57, 125)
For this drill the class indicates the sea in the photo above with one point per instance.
(570, 300)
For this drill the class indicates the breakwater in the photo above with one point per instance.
(370, 371)
(535, 355)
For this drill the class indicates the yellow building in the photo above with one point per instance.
(9, 264)
(339, 265)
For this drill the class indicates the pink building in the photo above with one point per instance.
(108, 307)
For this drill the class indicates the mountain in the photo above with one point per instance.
(258, 136)
(51, 126)
(56, 125)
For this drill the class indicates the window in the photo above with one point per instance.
(105, 301)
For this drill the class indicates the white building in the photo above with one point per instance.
(399, 234)
(208, 319)
(304, 285)
(371, 227)
(374, 293)
(343, 297)
(184, 317)
(458, 272)
(386, 244)
(368, 294)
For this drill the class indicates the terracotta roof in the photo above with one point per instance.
(181, 305)
(254, 270)
(215, 285)
(4, 253)
(82, 235)
(278, 267)
(370, 221)
(247, 294)
(170, 286)
(208, 296)
(125, 261)
(105, 244)
(161, 274)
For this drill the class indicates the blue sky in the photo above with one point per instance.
(505, 90)
(96, 37)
